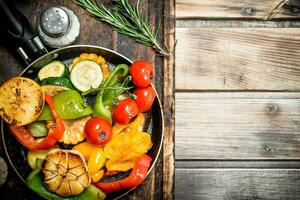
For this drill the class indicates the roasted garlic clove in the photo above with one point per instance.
(65, 172)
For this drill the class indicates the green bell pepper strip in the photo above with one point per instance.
(34, 182)
(100, 109)
(70, 105)
(46, 114)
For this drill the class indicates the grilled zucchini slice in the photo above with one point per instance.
(53, 69)
(86, 74)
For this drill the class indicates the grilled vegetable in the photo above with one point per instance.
(125, 111)
(60, 81)
(137, 126)
(119, 73)
(136, 177)
(92, 56)
(21, 101)
(70, 105)
(34, 182)
(45, 115)
(33, 155)
(53, 90)
(74, 130)
(53, 69)
(38, 129)
(125, 148)
(142, 73)
(55, 133)
(144, 98)
(86, 75)
(98, 131)
(65, 172)
(95, 158)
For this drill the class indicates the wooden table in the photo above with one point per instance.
(237, 97)
(159, 184)
(237, 113)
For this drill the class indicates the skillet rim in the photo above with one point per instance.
(113, 52)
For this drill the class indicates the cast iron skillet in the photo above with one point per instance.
(15, 152)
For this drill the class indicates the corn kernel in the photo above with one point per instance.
(84, 56)
(100, 60)
(93, 56)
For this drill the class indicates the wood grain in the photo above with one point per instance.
(220, 184)
(237, 59)
(168, 103)
(95, 33)
(240, 126)
(256, 9)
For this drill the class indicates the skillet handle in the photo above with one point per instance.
(21, 34)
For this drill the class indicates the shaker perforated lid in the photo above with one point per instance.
(55, 21)
(58, 26)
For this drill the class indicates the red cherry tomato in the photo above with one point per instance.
(142, 73)
(98, 131)
(144, 98)
(125, 111)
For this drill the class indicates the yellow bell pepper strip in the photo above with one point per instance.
(97, 176)
(95, 159)
(126, 147)
(136, 125)
(85, 149)
(120, 165)
(136, 177)
(54, 134)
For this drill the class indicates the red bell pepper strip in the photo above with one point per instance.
(26, 138)
(136, 177)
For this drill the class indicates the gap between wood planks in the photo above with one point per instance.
(234, 23)
(234, 164)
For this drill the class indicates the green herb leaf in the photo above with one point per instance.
(126, 20)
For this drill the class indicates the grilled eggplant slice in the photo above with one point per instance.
(65, 172)
(21, 101)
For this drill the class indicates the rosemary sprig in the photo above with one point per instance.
(126, 20)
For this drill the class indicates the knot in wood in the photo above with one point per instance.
(247, 11)
(272, 108)
(267, 148)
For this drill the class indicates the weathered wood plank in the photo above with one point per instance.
(237, 184)
(228, 9)
(237, 126)
(237, 58)
(240, 164)
(168, 102)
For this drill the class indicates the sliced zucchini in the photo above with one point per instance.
(21, 101)
(60, 81)
(38, 129)
(86, 74)
(53, 69)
